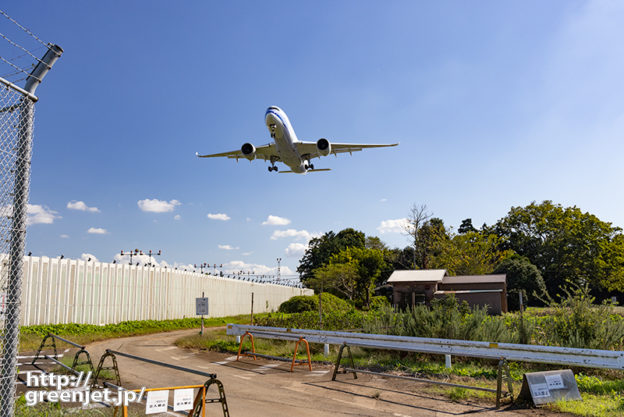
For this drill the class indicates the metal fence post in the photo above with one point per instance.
(16, 213)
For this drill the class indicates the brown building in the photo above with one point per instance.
(421, 286)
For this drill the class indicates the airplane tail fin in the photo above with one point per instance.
(310, 170)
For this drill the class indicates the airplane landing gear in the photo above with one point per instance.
(272, 168)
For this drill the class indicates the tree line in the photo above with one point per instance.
(542, 247)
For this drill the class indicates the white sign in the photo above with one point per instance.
(554, 381)
(183, 399)
(156, 402)
(540, 390)
(201, 306)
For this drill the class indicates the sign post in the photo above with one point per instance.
(201, 309)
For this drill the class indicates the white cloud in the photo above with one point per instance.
(292, 233)
(35, 214)
(296, 250)
(383, 200)
(248, 219)
(88, 256)
(177, 217)
(218, 216)
(246, 253)
(97, 231)
(393, 226)
(39, 214)
(276, 221)
(228, 247)
(64, 236)
(81, 206)
(157, 206)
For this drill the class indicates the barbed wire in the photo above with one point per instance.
(18, 68)
(18, 64)
(15, 44)
(24, 29)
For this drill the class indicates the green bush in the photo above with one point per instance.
(578, 322)
(302, 303)
(299, 304)
(379, 302)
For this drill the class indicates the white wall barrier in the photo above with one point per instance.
(75, 291)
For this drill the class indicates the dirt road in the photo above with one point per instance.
(264, 388)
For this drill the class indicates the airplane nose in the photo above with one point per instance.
(271, 119)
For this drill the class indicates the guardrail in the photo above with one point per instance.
(591, 358)
(502, 352)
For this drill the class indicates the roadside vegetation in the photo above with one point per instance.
(575, 322)
(31, 336)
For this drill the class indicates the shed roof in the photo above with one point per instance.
(475, 279)
(421, 275)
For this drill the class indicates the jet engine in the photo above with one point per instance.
(249, 151)
(323, 146)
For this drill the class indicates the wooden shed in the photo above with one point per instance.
(415, 287)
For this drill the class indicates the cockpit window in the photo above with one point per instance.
(273, 108)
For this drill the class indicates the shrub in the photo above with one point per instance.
(301, 303)
(577, 322)
(378, 302)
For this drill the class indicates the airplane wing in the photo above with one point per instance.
(265, 152)
(310, 149)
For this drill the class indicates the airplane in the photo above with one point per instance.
(286, 148)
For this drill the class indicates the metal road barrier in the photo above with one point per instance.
(197, 409)
(503, 352)
(591, 358)
(200, 399)
(76, 362)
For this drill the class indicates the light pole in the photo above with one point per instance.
(137, 252)
(154, 254)
(131, 253)
(202, 266)
(278, 269)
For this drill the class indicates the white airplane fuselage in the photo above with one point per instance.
(285, 138)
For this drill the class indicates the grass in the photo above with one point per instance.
(31, 336)
(592, 405)
(56, 410)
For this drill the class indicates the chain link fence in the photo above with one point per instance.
(16, 126)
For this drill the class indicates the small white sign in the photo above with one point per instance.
(540, 390)
(554, 381)
(201, 306)
(156, 402)
(183, 399)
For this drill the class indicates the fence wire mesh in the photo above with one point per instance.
(16, 125)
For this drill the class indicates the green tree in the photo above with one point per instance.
(471, 253)
(373, 242)
(321, 249)
(342, 278)
(466, 226)
(566, 244)
(354, 272)
(523, 276)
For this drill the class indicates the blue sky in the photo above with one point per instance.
(495, 104)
